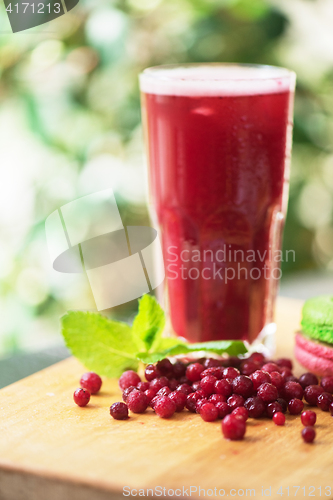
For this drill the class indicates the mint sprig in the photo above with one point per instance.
(109, 347)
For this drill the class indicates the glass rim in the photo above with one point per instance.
(230, 78)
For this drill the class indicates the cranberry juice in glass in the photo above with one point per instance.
(218, 140)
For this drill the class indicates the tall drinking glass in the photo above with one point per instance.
(218, 141)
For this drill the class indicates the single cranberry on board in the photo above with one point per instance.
(308, 434)
(279, 418)
(128, 378)
(81, 397)
(308, 418)
(233, 428)
(119, 411)
(91, 381)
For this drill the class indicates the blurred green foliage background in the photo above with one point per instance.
(70, 114)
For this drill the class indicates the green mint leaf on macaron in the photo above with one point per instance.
(110, 347)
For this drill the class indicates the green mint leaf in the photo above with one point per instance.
(231, 347)
(104, 346)
(149, 323)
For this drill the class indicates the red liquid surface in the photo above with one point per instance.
(217, 176)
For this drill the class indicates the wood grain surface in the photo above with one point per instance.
(51, 449)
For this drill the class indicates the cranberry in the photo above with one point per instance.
(331, 409)
(196, 385)
(308, 379)
(158, 383)
(291, 379)
(129, 378)
(207, 384)
(327, 384)
(243, 385)
(185, 388)
(173, 384)
(193, 371)
(217, 372)
(248, 367)
(127, 392)
(137, 401)
(293, 390)
(231, 372)
(91, 381)
(285, 372)
(324, 401)
(273, 408)
(209, 412)
(308, 434)
(277, 380)
(268, 393)
(179, 398)
(271, 367)
(184, 380)
(233, 428)
(165, 367)
(283, 403)
(235, 400)
(255, 406)
(259, 377)
(150, 393)
(81, 397)
(152, 372)
(212, 363)
(153, 401)
(217, 398)
(119, 411)
(311, 394)
(179, 369)
(199, 404)
(191, 401)
(241, 412)
(223, 387)
(223, 409)
(165, 391)
(143, 386)
(308, 417)
(295, 406)
(279, 418)
(257, 357)
(285, 363)
(164, 407)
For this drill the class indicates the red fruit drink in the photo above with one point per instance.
(218, 140)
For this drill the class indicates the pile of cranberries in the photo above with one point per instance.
(230, 389)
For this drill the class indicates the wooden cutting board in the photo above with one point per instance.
(51, 449)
